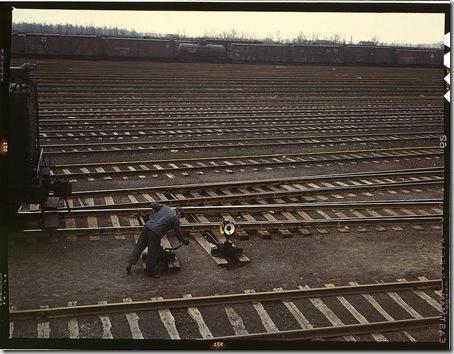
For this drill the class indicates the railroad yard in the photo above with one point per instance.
(333, 176)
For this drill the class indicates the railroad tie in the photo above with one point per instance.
(106, 325)
(267, 322)
(438, 292)
(43, 328)
(133, 321)
(168, 321)
(431, 301)
(382, 311)
(197, 317)
(297, 314)
(11, 323)
(73, 324)
(260, 232)
(358, 316)
(236, 321)
(328, 313)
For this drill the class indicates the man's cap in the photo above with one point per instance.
(179, 210)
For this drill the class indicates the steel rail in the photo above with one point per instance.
(424, 171)
(337, 331)
(282, 155)
(214, 209)
(199, 301)
(255, 225)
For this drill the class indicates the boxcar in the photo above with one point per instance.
(153, 48)
(258, 53)
(121, 47)
(368, 55)
(201, 52)
(86, 46)
(315, 54)
(427, 57)
(18, 43)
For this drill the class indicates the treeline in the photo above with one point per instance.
(73, 30)
(232, 35)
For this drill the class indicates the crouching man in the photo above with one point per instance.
(162, 220)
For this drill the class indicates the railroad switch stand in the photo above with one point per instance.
(226, 249)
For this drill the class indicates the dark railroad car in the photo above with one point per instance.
(121, 47)
(18, 43)
(86, 46)
(316, 54)
(67, 45)
(154, 48)
(201, 52)
(43, 44)
(426, 57)
(258, 53)
(368, 55)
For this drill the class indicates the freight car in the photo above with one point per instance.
(355, 55)
(315, 54)
(261, 53)
(219, 51)
(201, 52)
(418, 57)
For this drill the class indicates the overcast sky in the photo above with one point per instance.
(387, 27)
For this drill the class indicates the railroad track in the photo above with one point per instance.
(275, 190)
(234, 143)
(287, 219)
(392, 311)
(226, 164)
(55, 114)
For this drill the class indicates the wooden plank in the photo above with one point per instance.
(328, 313)
(168, 321)
(378, 337)
(70, 223)
(236, 321)
(148, 197)
(382, 311)
(109, 200)
(438, 292)
(197, 317)
(207, 247)
(260, 232)
(323, 214)
(284, 233)
(133, 321)
(92, 222)
(106, 325)
(73, 324)
(115, 221)
(409, 309)
(43, 328)
(297, 314)
(132, 199)
(267, 322)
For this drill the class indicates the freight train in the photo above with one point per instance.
(53, 45)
